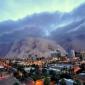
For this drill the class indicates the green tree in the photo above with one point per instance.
(16, 83)
(62, 82)
(46, 81)
(77, 82)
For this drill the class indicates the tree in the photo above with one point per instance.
(16, 83)
(44, 72)
(46, 81)
(77, 82)
(62, 82)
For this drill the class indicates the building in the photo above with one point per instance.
(9, 81)
(71, 53)
(55, 53)
(83, 55)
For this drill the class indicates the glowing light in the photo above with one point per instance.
(39, 82)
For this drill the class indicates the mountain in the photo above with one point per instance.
(37, 46)
(67, 29)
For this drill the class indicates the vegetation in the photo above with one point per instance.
(46, 81)
(16, 83)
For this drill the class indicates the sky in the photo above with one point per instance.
(17, 9)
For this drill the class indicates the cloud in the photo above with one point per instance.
(15, 9)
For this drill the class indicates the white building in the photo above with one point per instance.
(71, 53)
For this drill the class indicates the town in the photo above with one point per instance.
(57, 69)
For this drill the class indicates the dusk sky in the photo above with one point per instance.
(16, 9)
